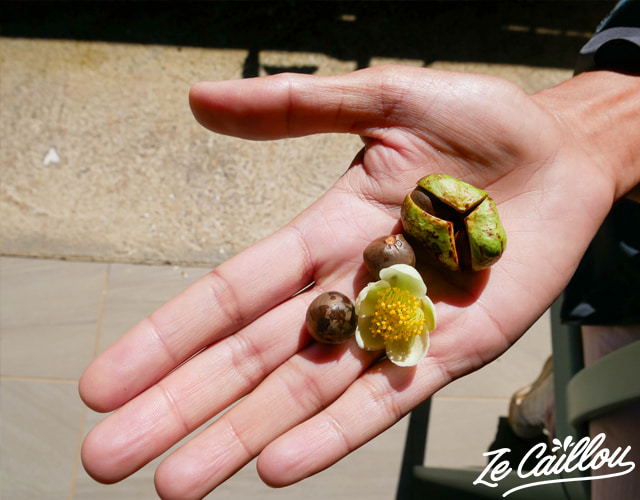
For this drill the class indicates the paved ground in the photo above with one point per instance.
(101, 161)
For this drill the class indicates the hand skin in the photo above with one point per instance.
(554, 162)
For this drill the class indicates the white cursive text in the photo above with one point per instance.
(566, 458)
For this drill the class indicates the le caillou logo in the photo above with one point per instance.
(584, 455)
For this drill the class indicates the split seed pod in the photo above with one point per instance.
(456, 222)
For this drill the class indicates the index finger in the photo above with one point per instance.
(231, 296)
(218, 304)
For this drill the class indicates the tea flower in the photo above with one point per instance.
(395, 314)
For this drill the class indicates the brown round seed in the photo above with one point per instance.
(331, 318)
(387, 251)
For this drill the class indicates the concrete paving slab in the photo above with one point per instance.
(102, 160)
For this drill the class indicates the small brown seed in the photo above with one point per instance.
(432, 205)
(331, 318)
(387, 251)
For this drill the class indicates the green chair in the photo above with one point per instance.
(581, 393)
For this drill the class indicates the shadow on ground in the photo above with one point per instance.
(542, 33)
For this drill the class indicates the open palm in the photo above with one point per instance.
(239, 330)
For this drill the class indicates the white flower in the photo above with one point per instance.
(395, 314)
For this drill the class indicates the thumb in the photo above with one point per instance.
(293, 105)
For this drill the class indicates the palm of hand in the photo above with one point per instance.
(309, 404)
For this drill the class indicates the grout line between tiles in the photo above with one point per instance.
(103, 300)
(11, 378)
(83, 419)
(76, 462)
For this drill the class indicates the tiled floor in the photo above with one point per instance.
(55, 316)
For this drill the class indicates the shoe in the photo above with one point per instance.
(529, 405)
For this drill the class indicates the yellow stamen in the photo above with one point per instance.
(397, 315)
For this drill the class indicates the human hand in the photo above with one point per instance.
(239, 330)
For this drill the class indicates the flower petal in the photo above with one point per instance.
(408, 352)
(405, 277)
(430, 316)
(367, 298)
(365, 339)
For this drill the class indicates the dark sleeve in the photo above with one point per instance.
(605, 289)
(616, 43)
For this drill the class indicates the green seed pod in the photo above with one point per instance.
(456, 222)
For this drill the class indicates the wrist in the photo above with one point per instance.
(599, 113)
